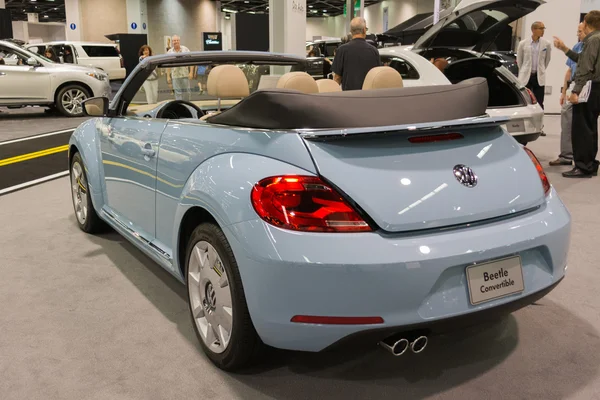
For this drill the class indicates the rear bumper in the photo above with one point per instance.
(408, 280)
(445, 325)
(117, 74)
(530, 120)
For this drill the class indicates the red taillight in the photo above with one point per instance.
(540, 170)
(531, 96)
(310, 319)
(435, 138)
(304, 203)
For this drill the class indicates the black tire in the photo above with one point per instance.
(92, 222)
(59, 104)
(245, 344)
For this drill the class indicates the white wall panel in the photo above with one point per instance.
(561, 18)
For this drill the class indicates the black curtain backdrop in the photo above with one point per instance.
(129, 45)
(252, 32)
(6, 31)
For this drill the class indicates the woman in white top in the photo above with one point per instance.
(151, 84)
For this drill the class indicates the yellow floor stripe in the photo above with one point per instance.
(30, 156)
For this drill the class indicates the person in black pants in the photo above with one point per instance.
(585, 114)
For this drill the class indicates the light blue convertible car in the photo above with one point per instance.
(301, 217)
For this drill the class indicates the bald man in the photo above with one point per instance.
(533, 57)
(355, 59)
(179, 78)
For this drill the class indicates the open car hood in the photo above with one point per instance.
(473, 24)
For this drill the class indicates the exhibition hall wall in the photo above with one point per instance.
(186, 18)
(98, 21)
(561, 18)
(397, 12)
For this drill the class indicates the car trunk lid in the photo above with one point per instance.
(474, 24)
(404, 185)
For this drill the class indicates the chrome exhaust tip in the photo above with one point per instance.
(419, 344)
(397, 348)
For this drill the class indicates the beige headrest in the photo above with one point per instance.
(300, 81)
(382, 78)
(328, 85)
(227, 81)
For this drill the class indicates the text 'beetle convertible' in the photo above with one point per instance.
(300, 219)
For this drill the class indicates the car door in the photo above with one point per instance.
(129, 147)
(21, 83)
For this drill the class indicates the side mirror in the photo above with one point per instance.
(96, 106)
(32, 62)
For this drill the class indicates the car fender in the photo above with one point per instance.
(85, 138)
(222, 185)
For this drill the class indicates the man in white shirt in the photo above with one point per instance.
(533, 57)
(179, 78)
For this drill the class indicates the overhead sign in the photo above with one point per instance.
(73, 27)
(144, 26)
(213, 40)
(133, 25)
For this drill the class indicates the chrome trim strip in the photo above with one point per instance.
(141, 239)
(465, 123)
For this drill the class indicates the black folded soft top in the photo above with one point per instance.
(288, 109)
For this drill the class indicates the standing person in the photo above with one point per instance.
(151, 84)
(179, 78)
(533, 57)
(355, 59)
(585, 114)
(566, 114)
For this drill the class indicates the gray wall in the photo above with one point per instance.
(186, 18)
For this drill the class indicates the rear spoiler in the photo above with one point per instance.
(484, 121)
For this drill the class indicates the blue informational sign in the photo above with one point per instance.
(133, 25)
(144, 26)
(73, 26)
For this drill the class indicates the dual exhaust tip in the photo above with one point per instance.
(401, 346)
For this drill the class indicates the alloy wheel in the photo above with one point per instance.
(72, 101)
(210, 297)
(79, 190)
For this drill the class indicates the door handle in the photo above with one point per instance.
(148, 150)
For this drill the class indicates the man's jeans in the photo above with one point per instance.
(182, 89)
(566, 123)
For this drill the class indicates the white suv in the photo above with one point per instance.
(28, 79)
(103, 56)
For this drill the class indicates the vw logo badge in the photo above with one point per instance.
(465, 175)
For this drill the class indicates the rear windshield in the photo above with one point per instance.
(101, 51)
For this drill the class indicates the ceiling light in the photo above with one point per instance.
(45, 16)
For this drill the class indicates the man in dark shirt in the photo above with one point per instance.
(355, 59)
(585, 114)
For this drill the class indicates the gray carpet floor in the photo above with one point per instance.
(90, 317)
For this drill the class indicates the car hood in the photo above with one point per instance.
(72, 68)
(474, 24)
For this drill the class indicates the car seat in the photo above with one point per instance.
(226, 82)
(328, 85)
(382, 78)
(300, 81)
